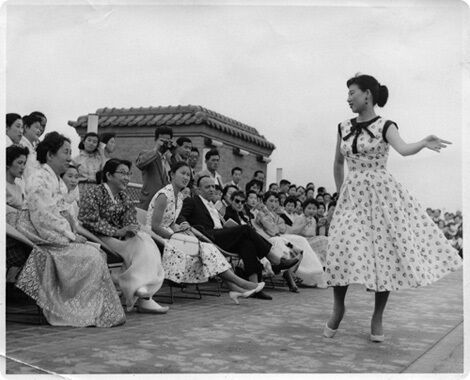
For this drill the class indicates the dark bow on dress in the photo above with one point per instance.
(356, 130)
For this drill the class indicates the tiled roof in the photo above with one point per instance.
(174, 116)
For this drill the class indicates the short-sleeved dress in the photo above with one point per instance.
(178, 266)
(380, 236)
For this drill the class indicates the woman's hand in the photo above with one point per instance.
(435, 143)
(183, 227)
(128, 231)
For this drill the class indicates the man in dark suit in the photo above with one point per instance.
(200, 212)
(154, 164)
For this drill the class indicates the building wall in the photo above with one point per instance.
(131, 141)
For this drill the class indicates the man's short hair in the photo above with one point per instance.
(237, 168)
(271, 185)
(293, 186)
(257, 172)
(163, 130)
(194, 149)
(198, 181)
(212, 152)
(284, 182)
(181, 140)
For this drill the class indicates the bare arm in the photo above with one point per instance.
(338, 167)
(157, 217)
(431, 142)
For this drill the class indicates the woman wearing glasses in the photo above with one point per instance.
(107, 211)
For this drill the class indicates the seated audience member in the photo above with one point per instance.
(237, 173)
(284, 185)
(89, 161)
(192, 161)
(289, 214)
(273, 187)
(31, 133)
(252, 200)
(298, 207)
(310, 193)
(154, 165)
(67, 277)
(200, 212)
(326, 200)
(181, 151)
(222, 204)
(310, 185)
(212, 159)
(334, 197)
(15, 166)
(186, 192)
(306, 226)
(107, 211)
(14, 129)
(178, 265)
(437, 216)
(72, 197)
(259, 176)
(321, 219)
(292, 192)
(254, 185)
(282, 198)
(43, 120)
(236, 210)
(107, 145)
(300, 193)
(329, 215)
(321, 190)
(319, 198)
(310, 269)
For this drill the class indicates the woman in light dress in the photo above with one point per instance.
(89, 161)
(273, 227)
(180, 267)
(380, 236)
(67, 277)
(107, 211)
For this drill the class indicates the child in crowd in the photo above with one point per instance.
(306, 226)
(70, 178)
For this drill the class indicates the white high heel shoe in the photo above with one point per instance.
(328, 332)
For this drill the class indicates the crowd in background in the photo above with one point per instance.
(57, 199)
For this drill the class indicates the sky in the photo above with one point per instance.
(279, 68)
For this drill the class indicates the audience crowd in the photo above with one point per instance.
(197, 220)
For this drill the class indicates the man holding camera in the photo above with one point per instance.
(155, 165)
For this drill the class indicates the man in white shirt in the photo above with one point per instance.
(237, 173)
(212, 158)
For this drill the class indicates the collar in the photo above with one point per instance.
(108, 189)
(356, 130)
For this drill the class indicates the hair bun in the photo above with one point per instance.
(382, 95)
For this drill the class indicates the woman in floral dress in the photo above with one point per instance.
(380, 236)
(67, 277)
(107, 211)
(163, 210)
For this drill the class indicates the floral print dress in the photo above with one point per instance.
(179, 266)
(70, 281)
(380, 236)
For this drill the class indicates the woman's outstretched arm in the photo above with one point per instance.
(431, 142)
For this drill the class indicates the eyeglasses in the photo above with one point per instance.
(237, 201)
(124, 174)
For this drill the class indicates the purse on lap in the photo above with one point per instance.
(187, 244)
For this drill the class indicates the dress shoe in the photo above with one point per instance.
(284, 264)
(234, 296)
(327, 332)
(377, 338)
(151, 307)
(262, 296)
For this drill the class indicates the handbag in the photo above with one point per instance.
(188, 244)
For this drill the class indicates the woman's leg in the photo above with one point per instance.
(229, 276)
(380, 303)
(339, 293)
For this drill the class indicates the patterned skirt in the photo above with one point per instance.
(182, 268)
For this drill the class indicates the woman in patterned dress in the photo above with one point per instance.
(107, 211)
(163, 210)
(66, 276)
(379, 236)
